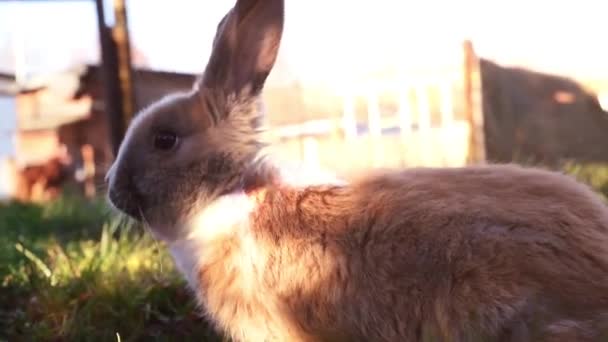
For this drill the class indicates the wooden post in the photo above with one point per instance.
(109, 69)
(120, 33)
(473, 107)
(116, 71)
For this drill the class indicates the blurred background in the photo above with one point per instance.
(357, 85)
(388, 83)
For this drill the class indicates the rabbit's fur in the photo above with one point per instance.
(458, 254)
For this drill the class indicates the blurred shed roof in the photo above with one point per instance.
(49, 101)
(8, 86)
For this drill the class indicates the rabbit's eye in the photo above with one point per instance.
(165, 140)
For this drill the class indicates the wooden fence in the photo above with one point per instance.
(433, 120)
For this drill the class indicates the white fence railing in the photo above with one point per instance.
(417, 132)
(434, 120)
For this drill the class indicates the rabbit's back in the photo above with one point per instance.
(485, 250)
(507, 245)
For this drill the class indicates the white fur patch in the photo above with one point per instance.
(227, 216)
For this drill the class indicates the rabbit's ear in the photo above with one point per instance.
(245, 47)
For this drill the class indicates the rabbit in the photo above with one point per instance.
(493, 252)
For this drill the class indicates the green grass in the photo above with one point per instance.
(69, 272)
(594, 174)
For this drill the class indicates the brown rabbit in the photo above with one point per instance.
(460, 254)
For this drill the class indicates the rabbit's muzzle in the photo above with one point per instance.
(124, 195)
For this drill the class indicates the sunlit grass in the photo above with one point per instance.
(70, 272)
(593, 174)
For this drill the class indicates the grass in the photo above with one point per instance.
(71, 272)
(593, 174)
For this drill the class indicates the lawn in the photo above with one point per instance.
(72, 271)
